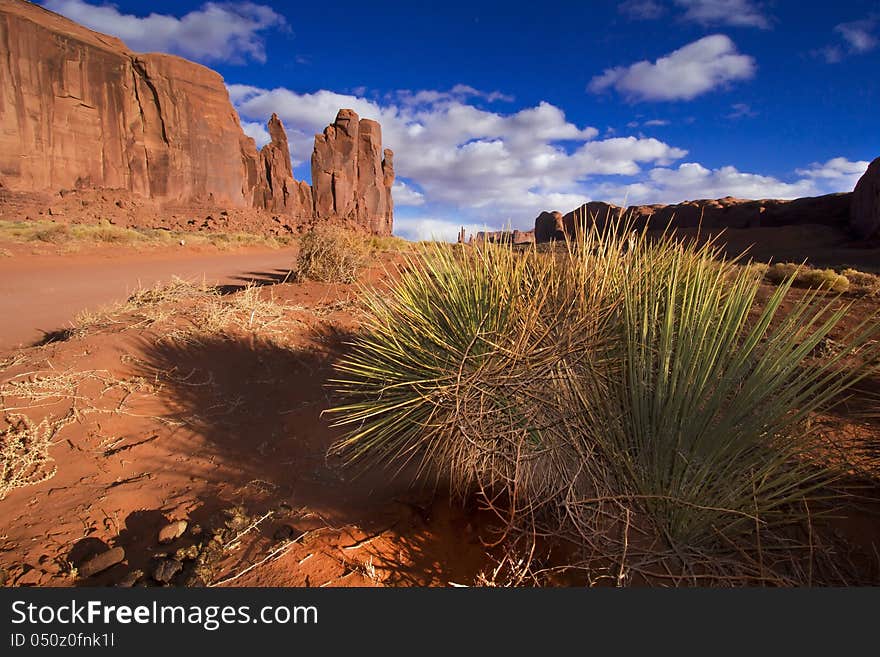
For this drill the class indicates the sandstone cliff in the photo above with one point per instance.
(351, 174)
(277, 190)
(865, 211)
(829, 210)
(80, 111)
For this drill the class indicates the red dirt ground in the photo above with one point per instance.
(46, 291)
(224, 430)
(190, 430)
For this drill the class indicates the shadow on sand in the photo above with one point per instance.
(251, 411)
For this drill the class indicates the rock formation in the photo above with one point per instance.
(728, 212)
(277, 190)
(865, 210)
(80, 111)
(503, 237)
(350, 178)
(388, 181)
(549, 226)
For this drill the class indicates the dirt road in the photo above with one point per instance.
(41, 294)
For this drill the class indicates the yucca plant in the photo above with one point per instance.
(462, 364)
(622, 365)
(705, 418)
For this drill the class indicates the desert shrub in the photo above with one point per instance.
(107, 233)
(622, 369)
(804, 276)
(24, 452)
(460, 369)
(862, 282)
(781, 271)
(756, 269)
(705, 418)
(388, 244)
(331, 254)
(54, 234)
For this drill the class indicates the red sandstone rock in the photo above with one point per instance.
(350, 179)
(371, 195)
(334, 167)
(78, 110)
(728, 212)
(865, 209)
(549, 226)
(388, 181)
(277, 190)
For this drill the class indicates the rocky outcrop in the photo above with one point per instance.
(277, 190)
(502, 237)
(830, 210)
(865, 209)
(549, 227)
(78, 109)
(351, 180)
(388, 182)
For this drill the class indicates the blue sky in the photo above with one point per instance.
(498, 110)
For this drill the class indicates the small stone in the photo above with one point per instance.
(172, 531)
(130, 579)
(284, 533)
(166, 569)
(101, 562)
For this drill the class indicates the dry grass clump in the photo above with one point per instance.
(389, 244)
(804, 276)
(188, 311)
(24, 452)
(103, 232)
(862, 282)
(248, 310)
(624, 392)
(144, 307)
(331, 254)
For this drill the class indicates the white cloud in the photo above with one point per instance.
(459, 92)
(837, 174)
(831, 54)
(460, 164)
(257, 132)
(742, 110)
(644, 10)
(403, 194)
(859, 35)
(738, 13)
(692, 181)
(855, 38)
(684, 74)
(655, 123)
(217, 31)
(491, 166)
(431, 228)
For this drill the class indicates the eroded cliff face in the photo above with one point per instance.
(865, 212)
(79, 110)
(829, 210)
(277, 190)
(351, 174)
